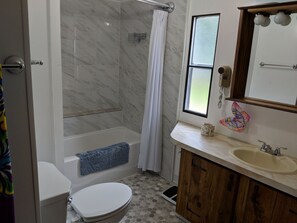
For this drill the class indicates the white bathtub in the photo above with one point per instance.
(93, 140)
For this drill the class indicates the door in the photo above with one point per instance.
(259, 203)
(206, 191)
(285, 209)
(14, 40)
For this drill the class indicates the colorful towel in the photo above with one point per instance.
(239, 121)
(103, 158)
(6, 186)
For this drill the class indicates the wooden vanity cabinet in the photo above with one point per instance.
(259, 203)
(285, 209)
(255, 202)
(206, 191)
(209, 193)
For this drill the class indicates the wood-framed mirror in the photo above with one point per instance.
(276, 69)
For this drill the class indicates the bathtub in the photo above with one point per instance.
(98, 139)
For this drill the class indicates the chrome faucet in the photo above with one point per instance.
(277, 151)
(265, 147)
(268, 149)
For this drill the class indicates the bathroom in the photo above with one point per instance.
(128, 82)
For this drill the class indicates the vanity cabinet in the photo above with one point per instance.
(255, 202)
(285, 209)
(208, 192)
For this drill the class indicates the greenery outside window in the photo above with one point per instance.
(200, 64)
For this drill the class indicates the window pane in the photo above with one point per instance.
(204, 40)
(198, 90)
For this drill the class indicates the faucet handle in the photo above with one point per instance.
(277, 151)
(264, 144)
(262, 141)
(265, 147)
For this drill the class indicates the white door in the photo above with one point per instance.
(14, 40)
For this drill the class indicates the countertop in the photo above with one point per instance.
(217, 149)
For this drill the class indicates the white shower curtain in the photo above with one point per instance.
(151, 136)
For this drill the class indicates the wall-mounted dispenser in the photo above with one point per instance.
(225, 76)
(224, 82)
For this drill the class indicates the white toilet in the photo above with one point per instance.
(54, 190)
(100, 203)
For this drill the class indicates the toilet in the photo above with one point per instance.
(100, 203)
(54, 189)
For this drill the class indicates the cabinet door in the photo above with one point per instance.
(211, 190)
(259, 204)
(285, 209)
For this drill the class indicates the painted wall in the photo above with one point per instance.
(137, 17)
(275, 127)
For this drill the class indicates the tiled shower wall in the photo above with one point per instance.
(134, 17)
(90, 32)
(137, 17)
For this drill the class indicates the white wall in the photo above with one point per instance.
(275, 127)
(47, 89)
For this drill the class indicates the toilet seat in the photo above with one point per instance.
(101, 201)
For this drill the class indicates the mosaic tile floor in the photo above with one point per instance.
(147, 205)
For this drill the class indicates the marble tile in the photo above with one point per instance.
(67, 46)
(119, 67)
(137, 17)
(89, 123)
(171, 80)
(90, 33)
(85, 52)
(67, 27)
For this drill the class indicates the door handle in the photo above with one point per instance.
(14, 64)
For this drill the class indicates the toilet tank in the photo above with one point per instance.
(54, 190)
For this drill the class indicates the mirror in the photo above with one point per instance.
(272, 74)
(265, 68)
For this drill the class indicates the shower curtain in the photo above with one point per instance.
(6, 186)
(150, 156)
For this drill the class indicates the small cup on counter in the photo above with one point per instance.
(207, 129)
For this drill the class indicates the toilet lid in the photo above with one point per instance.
(101, 199)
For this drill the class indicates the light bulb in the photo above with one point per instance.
(259, 19)
(266, 22)
(262, 20)
(287, 21)
(282, 18)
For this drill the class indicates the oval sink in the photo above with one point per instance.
(254, 157)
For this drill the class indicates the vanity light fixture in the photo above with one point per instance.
(262, 20)
(282, 18)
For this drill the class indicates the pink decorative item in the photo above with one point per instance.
(239, 121)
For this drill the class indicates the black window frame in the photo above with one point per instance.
(200, 66)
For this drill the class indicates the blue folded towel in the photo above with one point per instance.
(103, 158)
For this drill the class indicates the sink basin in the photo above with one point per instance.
(254, 157)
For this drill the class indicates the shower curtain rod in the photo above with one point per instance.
(169, 7)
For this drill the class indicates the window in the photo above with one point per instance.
(200, 64)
